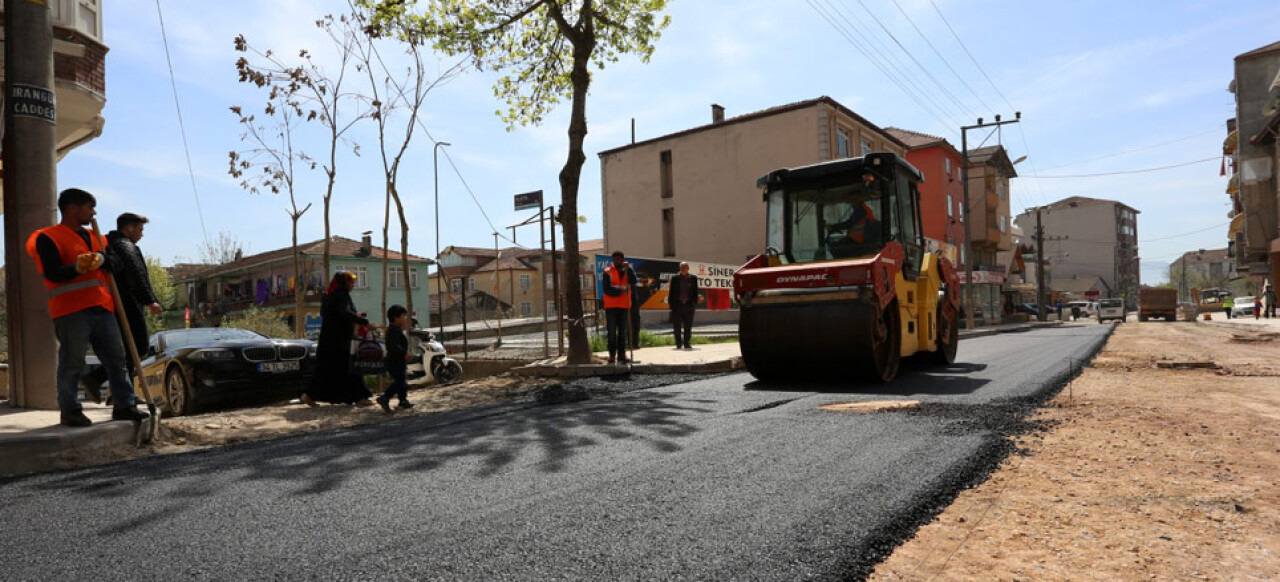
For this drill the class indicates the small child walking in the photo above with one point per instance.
(397, 359)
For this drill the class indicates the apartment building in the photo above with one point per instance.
(1255, 156)
(692, 195)
(1090, 237)
(989, 228)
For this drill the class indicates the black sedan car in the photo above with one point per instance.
(188, 370)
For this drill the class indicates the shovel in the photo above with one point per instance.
(132, 349)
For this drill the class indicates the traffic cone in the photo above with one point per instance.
(1208, 317)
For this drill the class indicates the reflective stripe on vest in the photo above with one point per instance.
(60, 289)
(617, 279)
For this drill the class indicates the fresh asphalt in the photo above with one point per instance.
(717, 478)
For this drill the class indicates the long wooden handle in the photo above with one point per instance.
(126, 330)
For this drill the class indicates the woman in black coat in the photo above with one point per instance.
(333, 381)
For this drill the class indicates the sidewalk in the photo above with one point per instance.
(33, 440)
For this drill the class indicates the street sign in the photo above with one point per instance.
(529, 200)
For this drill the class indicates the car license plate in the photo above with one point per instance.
(273, 367)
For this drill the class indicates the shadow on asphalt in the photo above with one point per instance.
(483, 442)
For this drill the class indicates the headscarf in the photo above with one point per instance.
(339, 281)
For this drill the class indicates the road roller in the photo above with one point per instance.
(845, 287)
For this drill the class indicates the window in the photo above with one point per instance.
(664, 158)
(551, 307)
(949, 208)
(525, 281)
(455, 286)
(843, 142)
(1004, 223)
(471, 283)
(395, 277)
(362, 274)
(550, 281)
(866, 146)
(526, 309)
(946, 164)
(668, 232)
(588, 282)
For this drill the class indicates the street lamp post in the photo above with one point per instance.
(435, 171)
(968, 246)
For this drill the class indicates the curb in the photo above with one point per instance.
(36, 451)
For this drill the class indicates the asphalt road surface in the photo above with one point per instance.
(719, 478)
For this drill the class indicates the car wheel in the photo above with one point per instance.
(178, 398)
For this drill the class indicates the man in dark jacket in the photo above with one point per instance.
(682, 297)
(132, 278)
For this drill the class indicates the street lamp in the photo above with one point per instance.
(435, 171)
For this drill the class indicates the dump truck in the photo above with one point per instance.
(845, 286)
(1154, 303)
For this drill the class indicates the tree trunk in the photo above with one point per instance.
(299, 323)
(570, 176)
(404, 255)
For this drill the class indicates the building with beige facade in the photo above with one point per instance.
(692, 195)
(1091, 237)
(989, 229)
(1254, 149)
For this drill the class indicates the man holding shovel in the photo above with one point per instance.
(71, 259)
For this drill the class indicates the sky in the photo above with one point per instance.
(1102, 87)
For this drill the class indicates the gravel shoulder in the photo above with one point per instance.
(1138, 472)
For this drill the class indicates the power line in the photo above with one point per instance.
(1131, 171)
(1139, 149)
(954, 100)
(885, 70)
(1185, 233)
(966, 51)
(940, 57)
(181, 127)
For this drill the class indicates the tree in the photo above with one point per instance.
(222, 250)
(162, 286)
(389, 94)
(318, 90)
(271, 150)
(545, 49)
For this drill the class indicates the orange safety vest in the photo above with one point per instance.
(860, 235)
(622, 301)
(85, 291)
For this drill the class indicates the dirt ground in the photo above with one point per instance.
(1140, 472)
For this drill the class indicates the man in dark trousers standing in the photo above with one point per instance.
(132, 278)
(618, 280)
(682, 297)
(71, 259)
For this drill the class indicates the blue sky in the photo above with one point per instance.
(1102, 87)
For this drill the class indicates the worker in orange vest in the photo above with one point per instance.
(617, 280)
(72, 260)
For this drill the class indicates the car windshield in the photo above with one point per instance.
(821, 223)
(204, 335)
(1110, 303)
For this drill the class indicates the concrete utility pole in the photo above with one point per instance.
(1040, 297)
(435, 173)
(968, 246)
(30, 195)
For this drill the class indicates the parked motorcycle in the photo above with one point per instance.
(431, 360)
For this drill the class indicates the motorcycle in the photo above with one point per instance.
(431, 360)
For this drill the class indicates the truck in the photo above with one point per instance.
(845, 287)
(1156, 303)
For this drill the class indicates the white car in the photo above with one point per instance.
(1243, 306)
(1112, 309)
(1087, 308)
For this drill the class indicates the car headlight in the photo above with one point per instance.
(211, 354)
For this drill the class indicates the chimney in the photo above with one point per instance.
(717, 113)
(239, 254)
(366, 243)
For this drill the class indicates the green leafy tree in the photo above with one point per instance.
(162, 286)
(545, 50)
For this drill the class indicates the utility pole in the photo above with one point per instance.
(968, 245)
(435, 172)
(1040, 297)
(497, 284)
(30, 191)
